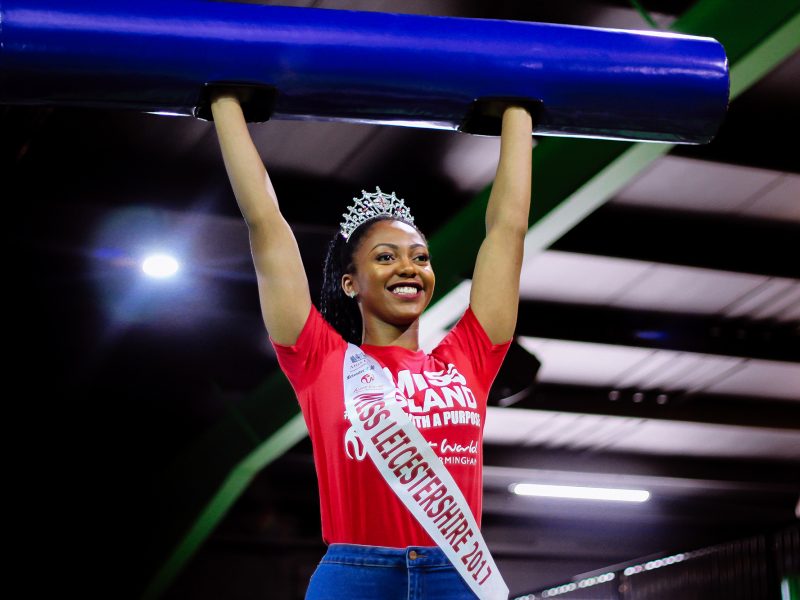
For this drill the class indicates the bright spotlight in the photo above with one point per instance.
(581, 493)
(160, 266)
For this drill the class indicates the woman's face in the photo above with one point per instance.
(393, 276)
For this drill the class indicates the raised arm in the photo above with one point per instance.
(282, 282)
(494, 297)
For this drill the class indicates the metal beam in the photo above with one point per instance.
(730, 509)
(708, 334)
(751, 472)
(691, 239)
(717, 409)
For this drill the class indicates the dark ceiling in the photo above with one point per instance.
(114, 377)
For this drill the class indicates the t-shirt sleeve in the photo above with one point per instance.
(469, 339)
(301, 361)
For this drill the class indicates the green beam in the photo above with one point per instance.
(195, 492)
(572, 177)
(223, 498)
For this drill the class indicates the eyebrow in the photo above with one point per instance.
(396, 247)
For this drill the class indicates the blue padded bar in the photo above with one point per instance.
(157, 56)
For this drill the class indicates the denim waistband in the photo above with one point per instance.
(382, 556)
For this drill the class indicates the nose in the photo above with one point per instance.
(406, 267)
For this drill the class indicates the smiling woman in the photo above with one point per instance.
(378, 280)
(406, 522)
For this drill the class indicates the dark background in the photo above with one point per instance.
(112, 377)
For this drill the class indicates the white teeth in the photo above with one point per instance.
(405, 290)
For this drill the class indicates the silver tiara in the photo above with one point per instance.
(374, 205)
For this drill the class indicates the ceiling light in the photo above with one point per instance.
(160, 266)
(580, 493)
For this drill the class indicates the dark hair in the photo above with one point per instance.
(336, 307)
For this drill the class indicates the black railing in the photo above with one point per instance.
(764, 567)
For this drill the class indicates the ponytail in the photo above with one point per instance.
(336, 307)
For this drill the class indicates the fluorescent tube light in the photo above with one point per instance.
(581, 493)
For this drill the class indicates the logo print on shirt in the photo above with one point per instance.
(447, 400)
(351, 440)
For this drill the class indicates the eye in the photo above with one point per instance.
(422, 258)
(384, 257)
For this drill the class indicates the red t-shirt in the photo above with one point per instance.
(446, 394)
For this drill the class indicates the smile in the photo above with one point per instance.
(405, 290)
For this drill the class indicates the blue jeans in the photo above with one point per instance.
(352, 572)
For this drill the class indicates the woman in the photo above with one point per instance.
(378, 280)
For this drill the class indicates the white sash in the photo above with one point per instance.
(416, 474)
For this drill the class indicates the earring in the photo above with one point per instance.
(351, 294)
